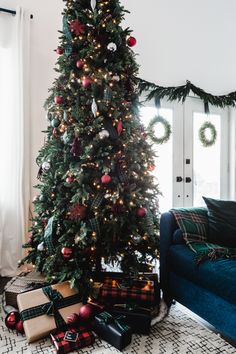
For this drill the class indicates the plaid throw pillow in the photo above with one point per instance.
(193, 222)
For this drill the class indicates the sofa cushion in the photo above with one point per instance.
(178, 237)
(222, 222)
(217, 276)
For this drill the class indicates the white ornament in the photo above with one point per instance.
(112, 47)
(46, 166)
(104, 134)
(116, 78)
(40, 247)
(94, 108)
(93, 4)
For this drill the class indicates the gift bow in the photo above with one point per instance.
(50, 308)
(107, 318)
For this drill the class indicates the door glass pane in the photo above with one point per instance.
(164, 162)
(206, 161)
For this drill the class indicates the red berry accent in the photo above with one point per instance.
(70, 179)
(131, 41)
(73, 318)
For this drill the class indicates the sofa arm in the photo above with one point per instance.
(168, 226)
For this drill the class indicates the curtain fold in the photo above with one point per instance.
(14, 138)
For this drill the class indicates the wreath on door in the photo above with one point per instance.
(207, 141)
(167, 130)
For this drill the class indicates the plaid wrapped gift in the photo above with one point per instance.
(72, 339)
(119, 291)
(113, 330)
(22, 283)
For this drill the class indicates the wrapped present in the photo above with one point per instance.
(117, 288)
(23, 282)
(72, 339)
(138, 318)
(47, 309)
(113, 330)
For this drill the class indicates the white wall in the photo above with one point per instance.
(177, 40)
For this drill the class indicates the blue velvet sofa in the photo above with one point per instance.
(207, 289)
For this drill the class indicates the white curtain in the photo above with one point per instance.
(14, 138)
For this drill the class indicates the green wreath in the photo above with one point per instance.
(167, 127)
(202, 134)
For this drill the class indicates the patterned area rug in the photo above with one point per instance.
(176, 334)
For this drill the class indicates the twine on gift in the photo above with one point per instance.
(52, 307)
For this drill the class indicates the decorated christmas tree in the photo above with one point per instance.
(98, 198)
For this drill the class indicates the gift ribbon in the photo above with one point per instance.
(51, 308)
(131, 307)
(107, 318)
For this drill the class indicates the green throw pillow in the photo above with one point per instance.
(222, 222)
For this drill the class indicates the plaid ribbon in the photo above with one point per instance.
(121, 175)
(107, 123)
(48, 236)
(193, 222)
(95, 225)
(97, 201)
(107, 318)
(63, 346)
(51, 308)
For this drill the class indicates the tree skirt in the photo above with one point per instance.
(176, 334)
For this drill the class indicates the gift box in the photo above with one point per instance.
(23, 282)
(47, 309)
(116, 288)
(138, 318)
(72, 339)
(113, 330)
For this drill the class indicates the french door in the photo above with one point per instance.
(185, 169)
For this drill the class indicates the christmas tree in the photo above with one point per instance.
(98, 198)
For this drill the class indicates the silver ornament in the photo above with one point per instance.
(93, 4)
(104, 134)
(40, 247)
(112, 47)
(94, 108)
(46, 166)
(65, 116)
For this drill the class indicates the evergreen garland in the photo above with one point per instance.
(180, 93)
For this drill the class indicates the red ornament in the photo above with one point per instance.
(66, 252)
(106, 179)
(80, 64)
(78, 212)
(54, 132)
(76, 27)
(119, 127)
(59, 50)
(20, 327)
(131, 41)
(11, 319)
(73, 318)
(70, 179)
(142, 212)
(58, 99)
(86, 313)
(86, 82)
(151, 168)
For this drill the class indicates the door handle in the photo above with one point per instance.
(179, 179)
(188, 180)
